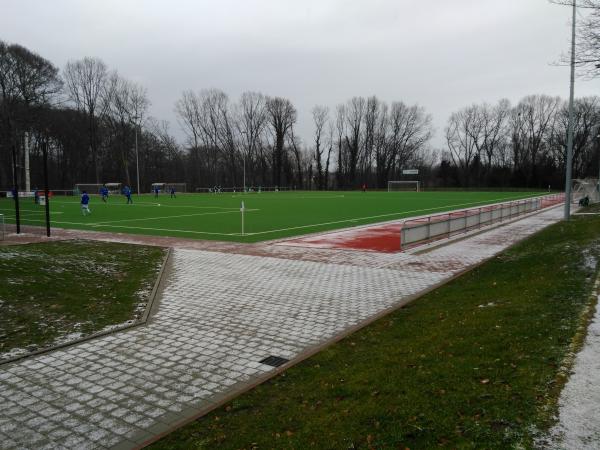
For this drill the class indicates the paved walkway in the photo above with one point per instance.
(221, 313)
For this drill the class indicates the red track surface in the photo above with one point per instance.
(379, 238)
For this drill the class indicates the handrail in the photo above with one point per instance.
(445, 225)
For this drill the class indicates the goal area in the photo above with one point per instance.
(398, 186)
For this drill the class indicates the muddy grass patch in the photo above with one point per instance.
(54, 292)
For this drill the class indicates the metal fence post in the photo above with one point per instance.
(429, 228)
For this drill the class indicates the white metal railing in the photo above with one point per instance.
(439, 226)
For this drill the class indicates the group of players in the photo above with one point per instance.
(85, 198)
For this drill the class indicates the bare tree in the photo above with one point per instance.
(587, 53)
(295, 144)
(410, 131)
(340, 128)
(282, 116)
(188, 110)
(461, 142)
(355, 111)
(251, 120)
(86, 82)
(532, 122)
(127, 104)
(28, 83)
(320, 118)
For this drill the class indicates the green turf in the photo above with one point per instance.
(54, 289)
(268, 215)
(473, 364)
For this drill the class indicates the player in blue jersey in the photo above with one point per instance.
(85, 203)
(127, 192)
(104, 193)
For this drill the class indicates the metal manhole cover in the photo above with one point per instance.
(274, 361)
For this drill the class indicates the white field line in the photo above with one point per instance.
(295, 198)
(94, 224)
(169, 230)
(156, 205)
(28, 212)
(483, 203)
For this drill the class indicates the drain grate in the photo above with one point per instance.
(274, 361)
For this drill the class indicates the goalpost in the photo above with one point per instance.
(412, 185)
(587, 187)
(90, 188)
(166, 187)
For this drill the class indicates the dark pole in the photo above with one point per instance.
(45, 150)
(16, 189)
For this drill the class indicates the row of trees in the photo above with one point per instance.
(92, 119)
(522, 145)
(364, 141)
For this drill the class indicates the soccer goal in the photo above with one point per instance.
(179, 187)
(394, 186)
(114, 188)
(90, 188)
(586, 188)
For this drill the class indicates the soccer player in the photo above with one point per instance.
(156, 190)
(85, 203)
(173, 192)
(104, 193)
(127, 192)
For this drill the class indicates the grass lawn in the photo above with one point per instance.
(473, 364)
(55, 290)
(269, 215)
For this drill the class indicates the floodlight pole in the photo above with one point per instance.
(568, 181)
(137, 160)
(245, 133)
(16, 188)
(46, 191)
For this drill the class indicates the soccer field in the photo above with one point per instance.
(268, 215)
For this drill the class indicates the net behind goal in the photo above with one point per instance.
(586, 188)
(395, 186)
(90, 188)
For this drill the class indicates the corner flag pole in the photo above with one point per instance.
(568, 181)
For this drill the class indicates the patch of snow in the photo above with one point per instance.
(578, 424)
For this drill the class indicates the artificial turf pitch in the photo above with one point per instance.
(268, 215)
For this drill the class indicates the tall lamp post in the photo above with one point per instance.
(568, 181)
(245, 133)
(137, 159)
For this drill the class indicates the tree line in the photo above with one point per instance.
(92, 119)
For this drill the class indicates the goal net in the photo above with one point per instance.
(394, 186)
(587, 187)
(179, 187)
(90, 188)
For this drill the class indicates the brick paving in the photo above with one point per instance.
(224, 308)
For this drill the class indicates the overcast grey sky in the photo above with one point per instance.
(442, 54)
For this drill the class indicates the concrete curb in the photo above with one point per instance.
(151, 307)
